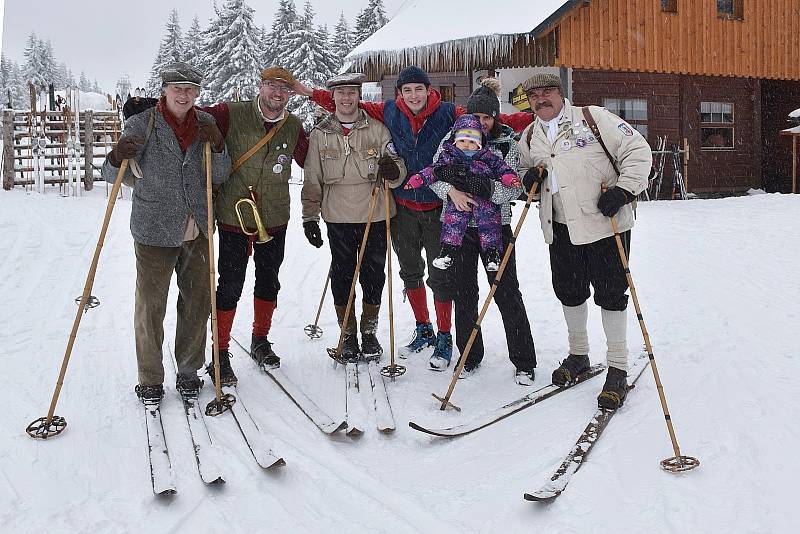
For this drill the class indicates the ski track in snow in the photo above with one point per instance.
(719, 296)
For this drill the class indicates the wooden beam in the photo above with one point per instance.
(8, 149)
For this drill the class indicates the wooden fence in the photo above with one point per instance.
(54, 131)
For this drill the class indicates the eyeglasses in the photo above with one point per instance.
(278, 88)
(534, 94)
(182, 88)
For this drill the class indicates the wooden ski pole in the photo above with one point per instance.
(313, 330)
(221, 403)
(392, 370)
(336, 353)
(509, 249)
(677, 462)
(53, 425)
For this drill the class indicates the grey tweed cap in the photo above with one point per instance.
(542, 80)
(181, 72)
(350, 79)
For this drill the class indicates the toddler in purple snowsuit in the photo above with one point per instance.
(466, 162)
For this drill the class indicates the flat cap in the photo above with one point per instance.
(349, 79)
(180, 72)
(542, 80)
(277, 74)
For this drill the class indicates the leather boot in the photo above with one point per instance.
(370, 347)
(350, 348)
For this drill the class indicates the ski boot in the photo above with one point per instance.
(440, 359)
(150, 395)
(370, 346)
(525, 377)
(188, 385)
(614, 390)
(570, 368)
(423, 338)
(445, 258)
(227, 378)
(261, 351)
(467, 372)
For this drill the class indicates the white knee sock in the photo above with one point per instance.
(576, 317)
(615, 325)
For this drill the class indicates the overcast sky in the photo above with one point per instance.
(105, 38)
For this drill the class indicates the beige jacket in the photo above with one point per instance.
(581, 166)
(341, 170)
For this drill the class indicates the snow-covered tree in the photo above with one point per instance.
(310, 59)
(62, 76)
(233, 54)
(124, 86)
(48, 62)
(34, 69)
(342, 41)
(285, 22)
(96, 87)
(193, 44)
(70, 80)
(369, 20)
(171, 49)
(84, 84)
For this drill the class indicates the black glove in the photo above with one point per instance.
(612, 200)
(387, 169)
(477, 186)
(207, 130)
(535, 175)
(452, 174)
(314, 236)
(126, 148)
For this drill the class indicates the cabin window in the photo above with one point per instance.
(669, 6)
(632, 110)
(447, 92)
(716, 126)
(730, 9)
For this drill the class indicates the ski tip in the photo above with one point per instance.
(166, 492)
(386, 429)
(541, 497)
(354, 432)
(333, 427)
(280, 462)
(216, 482)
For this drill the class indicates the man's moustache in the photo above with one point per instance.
(541, 105)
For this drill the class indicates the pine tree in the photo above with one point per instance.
(62, 75)
(84, 84)
(342, 42)
(33, 69)
(171, 49)
(19, 88)
(234, 56)
(310, 60)
(285, 22)
(6, 79)
(70, 80)
(48, 62)
(193, 44)
(369, 20)
(96, 88)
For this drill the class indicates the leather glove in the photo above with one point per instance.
(477, 186)
(126, 148)
(313, 234)
(611, 200)
(535, 175)
(387, 169)
(207, 130)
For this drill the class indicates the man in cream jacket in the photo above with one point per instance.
(575, 216)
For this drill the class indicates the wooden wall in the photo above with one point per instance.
(778, 99)
(635, 35)
(673, 105)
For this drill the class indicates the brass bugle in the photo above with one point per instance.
(261, 232)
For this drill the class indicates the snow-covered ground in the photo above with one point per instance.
(719, 289)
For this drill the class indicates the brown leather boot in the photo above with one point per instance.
(350, 348)
(370, 346)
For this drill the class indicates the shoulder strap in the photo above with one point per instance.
(530, 133)
(255, 148)
(596, 131)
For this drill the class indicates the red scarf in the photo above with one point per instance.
(418, 121)
(185, 132)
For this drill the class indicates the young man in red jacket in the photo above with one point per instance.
(418, 121)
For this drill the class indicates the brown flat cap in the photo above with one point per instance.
(542, 80)
(180, 72)
(350, 79)
(278, 74)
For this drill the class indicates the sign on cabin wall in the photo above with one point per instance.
(519, 99)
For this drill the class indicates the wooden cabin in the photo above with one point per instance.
(722, 74)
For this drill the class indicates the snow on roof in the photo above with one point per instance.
(422, 27)
(791, 131)
(795, 114)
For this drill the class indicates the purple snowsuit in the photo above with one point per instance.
(486, 214)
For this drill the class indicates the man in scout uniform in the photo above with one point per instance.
(262, 139)
(575, 217)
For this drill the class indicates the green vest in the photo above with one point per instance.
(268, 171)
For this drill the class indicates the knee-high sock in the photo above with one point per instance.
(576, 317)
(262, 315)
(224, 325)
(419, 304)
(615, 325)
(444, 314)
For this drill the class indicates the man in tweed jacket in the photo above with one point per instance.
(168, 222)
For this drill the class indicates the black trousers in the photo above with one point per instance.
(576, 267)
(508, 298)
(232, 267)
(345, 240)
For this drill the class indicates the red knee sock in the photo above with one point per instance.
(444, 312)
(262, 315)
(224, 325)
(419, 304)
